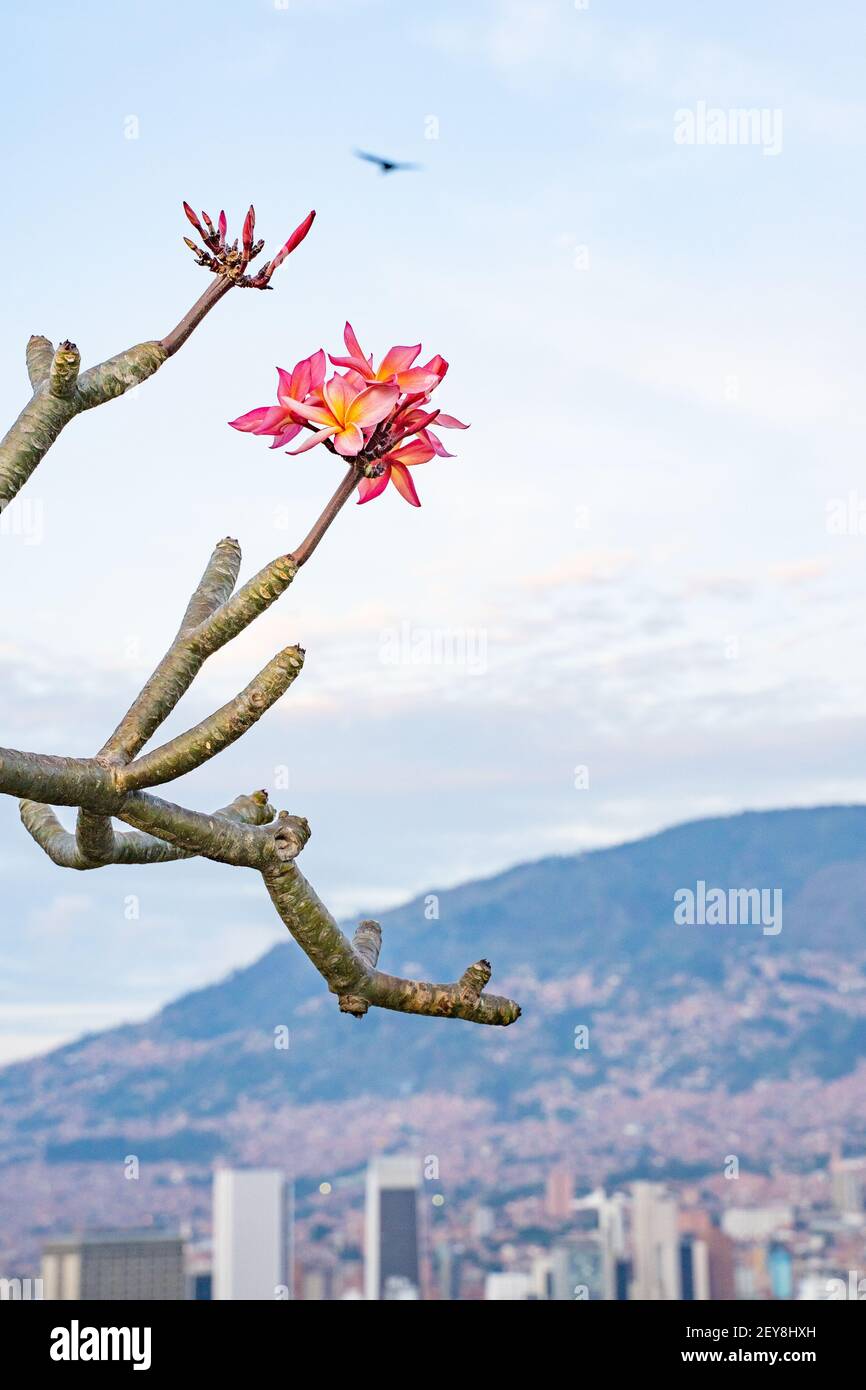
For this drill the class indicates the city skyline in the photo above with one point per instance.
(643, 1241)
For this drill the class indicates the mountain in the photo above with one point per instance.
(714, 1029)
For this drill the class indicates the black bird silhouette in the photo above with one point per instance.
(386, 166)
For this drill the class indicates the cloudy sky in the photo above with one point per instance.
(645, 570)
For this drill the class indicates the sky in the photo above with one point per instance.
(633, 598)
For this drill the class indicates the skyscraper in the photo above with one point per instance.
(115, 1265)
(559, 1193)
(252, 1234)
(655, 1243)
(848, 1180)
(391, 1267)
(694, 1268)
(577, 1269)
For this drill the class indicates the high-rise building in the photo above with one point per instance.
(848, 1183)
(559, 1195)
(391, 1264)
(252, 1234)
(720, 1252)
(655, 1243)
(115, 1265)
(780, 1267)
(608, 1222)
(483, 1222)
(447, 1265)
(694, 1269)
(577, 1270)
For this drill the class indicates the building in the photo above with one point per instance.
(848, 1183)
(781, 1270)
(655, 1243)
(720, 1252)
(448, 1268)
(756, 1223)
(577, 1270)
(115, 1265)
(559, 1194)
(391, 1263)
(694, 1269)
(609, 1223)
(505, 1286)
(252, 1234)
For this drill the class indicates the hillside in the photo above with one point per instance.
(696, 1022)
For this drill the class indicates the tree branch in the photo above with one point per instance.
(111, 785)
(349, 968)
(59, 393)
(127, 847)
(189, 651)
(219, 730)
(40, 355)
(303, 552)
(190, 321)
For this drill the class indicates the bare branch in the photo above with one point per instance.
(219, 730)
(64, 371)
(40, 355)
(350, 482)
(217, 837)
(127, 847)
(188, 653)
(215, 586)
(349, 968)
(248, 833)
(57, 781)
(212, 295)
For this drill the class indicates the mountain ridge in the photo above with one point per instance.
(644, 1047)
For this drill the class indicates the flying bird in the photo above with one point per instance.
(386, 166)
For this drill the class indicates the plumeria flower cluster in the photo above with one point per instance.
(231, 259)
(379, 418)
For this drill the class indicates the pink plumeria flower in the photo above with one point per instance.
(416, 420)
(306, 379)
(344, 414)
(395, 467)
(396, 365)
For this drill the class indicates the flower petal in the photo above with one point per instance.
(417, 379)
(438, 365)
(416, 451)
(349, 441)
(397, 359)
(284, 387)
(249, 423)
(451, 422)
(436, 444)
(317, 370)
(402, 481)
(313, 439)
(353, 347)
(368, 488)
(339, 395)
(372, 405)
(286, 437)
(357, 364)
(316, 414)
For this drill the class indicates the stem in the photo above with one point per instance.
(212, 295)
(339, 499)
